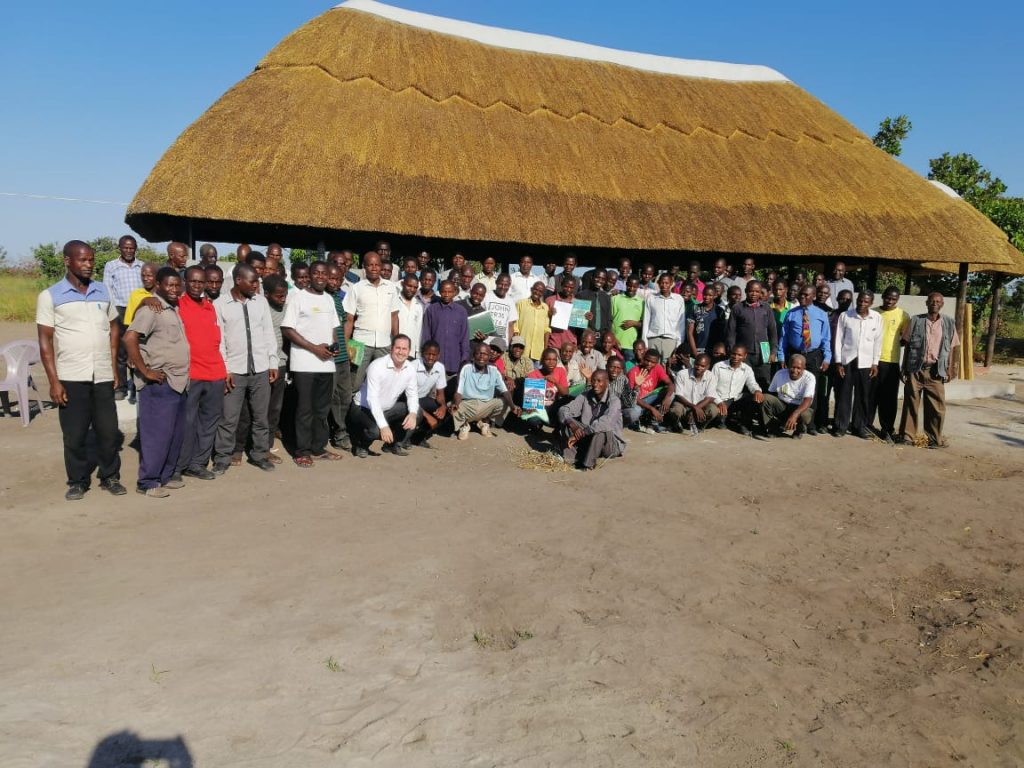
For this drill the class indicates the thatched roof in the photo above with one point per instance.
(374, 120)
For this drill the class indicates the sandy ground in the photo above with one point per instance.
(704, 601)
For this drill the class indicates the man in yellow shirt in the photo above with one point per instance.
(148, 275)
(894, 323)
(534, 323)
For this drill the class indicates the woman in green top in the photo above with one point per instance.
(627, 316)
(780, 303)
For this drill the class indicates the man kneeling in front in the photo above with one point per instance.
(592, 425)
(380, 414)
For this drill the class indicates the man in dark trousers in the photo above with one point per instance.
(600, 302)
(932, 342)
(752, 324)
(79, 336)
(158, 351)
(806, 330)
(205, 401)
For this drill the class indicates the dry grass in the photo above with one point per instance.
(18, 292)
(503, 146)
(536, 461)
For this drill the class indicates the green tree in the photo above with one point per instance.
(891, 133)
(50, 260)
(967, 177)
(1007, 213)
(3, 258)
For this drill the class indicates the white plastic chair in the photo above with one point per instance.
(19, 357)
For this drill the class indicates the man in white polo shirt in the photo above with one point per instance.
(787, 406)
(378, 413)
(78, 340)
(372, 307)
(309, 324)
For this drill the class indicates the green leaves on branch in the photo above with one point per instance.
(891, 133)
(967, 177)
(50, 259)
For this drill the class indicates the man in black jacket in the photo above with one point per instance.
(752, 325)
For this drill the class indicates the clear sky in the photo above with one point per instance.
(92, 93)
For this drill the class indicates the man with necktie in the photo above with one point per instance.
(806, 330)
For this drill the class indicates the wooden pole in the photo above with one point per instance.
(191, 241)
(993, 318)
(908, 284)
(872, 276)
(961, 303)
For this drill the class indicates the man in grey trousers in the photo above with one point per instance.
(249, 348)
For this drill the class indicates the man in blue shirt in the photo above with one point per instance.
(481, 395)
(806, 331)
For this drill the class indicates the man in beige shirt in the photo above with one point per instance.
(158, 351)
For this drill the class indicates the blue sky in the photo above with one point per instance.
(94, 92)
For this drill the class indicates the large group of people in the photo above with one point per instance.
(328, 357)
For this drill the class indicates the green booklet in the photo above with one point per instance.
(482, 322)
(766, 351)
(578, 318)
(356, 350)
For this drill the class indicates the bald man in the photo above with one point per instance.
(177, 258)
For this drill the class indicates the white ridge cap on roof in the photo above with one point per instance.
(528, 41)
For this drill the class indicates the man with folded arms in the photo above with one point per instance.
(249, 349)
(378, 412)
(204, 403)
(158, 351)
(752, 324)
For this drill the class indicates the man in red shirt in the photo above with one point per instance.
(651, 405)
(205, 403)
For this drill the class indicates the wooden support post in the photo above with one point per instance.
(191, 241)
(908, 284)
(872, 276)
(961, 303)
(321, 250)
(993, 318)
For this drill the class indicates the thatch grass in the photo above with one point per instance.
(411, 132)
(18, 293)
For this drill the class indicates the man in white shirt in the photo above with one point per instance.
(522, 281)
(431, 381)
(664, 316)
(694, 400)
(378, 413)
(410, 312)
(309, 323)
(372, 307)
(502, 307)
(737, 392)
(249, 348)
(858, 349)
(787, 406)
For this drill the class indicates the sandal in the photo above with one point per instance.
(236, 461)
(273, 459)
(305, 462)
(327, 456)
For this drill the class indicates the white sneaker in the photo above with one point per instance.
(463, 432)
(485, 429)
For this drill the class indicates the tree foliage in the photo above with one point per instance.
(967, 177)
(892, 131)
(50, 258)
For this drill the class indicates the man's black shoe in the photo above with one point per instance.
(113, 486)
(743, 430)
(864, 433)
(120, 394)
(813, 431)
(425, 443)
(341, 442)
(397, 449)
(76, 492)
(199, 473)
(360, 452)
(265, 464)
(220, 469)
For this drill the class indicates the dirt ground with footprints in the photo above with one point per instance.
(704, 601)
